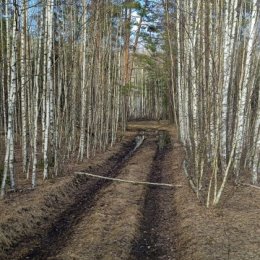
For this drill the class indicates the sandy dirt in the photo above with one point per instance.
(76, 217)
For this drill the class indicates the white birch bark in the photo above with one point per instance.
(49, 82)
(242, 110)
(9, 153)
(36, 111)
(44, 72)
(23, 89)
(7, 57)
(83, 88)
(256, 144)
(193, 32)
(179, 77)
(229, 29)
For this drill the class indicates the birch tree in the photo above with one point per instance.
(9, 153)
(49, 83)
(216, 45)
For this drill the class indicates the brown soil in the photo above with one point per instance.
(154, 235)
(28, 217)
(76, 217)
(112, 223)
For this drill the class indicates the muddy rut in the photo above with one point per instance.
(115, 220)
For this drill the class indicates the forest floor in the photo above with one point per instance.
(76, 217)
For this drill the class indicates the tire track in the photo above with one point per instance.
(41, 246)
(150, 245)
(110, 226)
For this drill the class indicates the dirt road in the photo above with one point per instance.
(122, 222)
(83, 218)
(110, 219)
